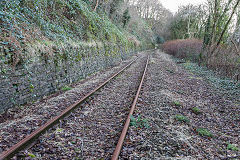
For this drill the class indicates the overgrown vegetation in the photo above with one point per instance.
(58, 19)
(215, 27)
(188, 49)
(224, 84)
(26, 23)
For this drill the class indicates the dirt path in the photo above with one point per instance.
(167, 126)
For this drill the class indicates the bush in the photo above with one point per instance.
(225, 60)
(184, 48)
(160, 40)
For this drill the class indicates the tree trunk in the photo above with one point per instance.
(95, 8)
(225, 28)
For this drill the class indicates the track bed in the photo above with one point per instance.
(170, 90)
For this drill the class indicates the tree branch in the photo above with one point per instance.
(95, 8)
(225, 28)
(236, 47)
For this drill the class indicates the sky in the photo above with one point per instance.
(172, 5)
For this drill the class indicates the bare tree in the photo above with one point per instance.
(226, 26)
(153, 12)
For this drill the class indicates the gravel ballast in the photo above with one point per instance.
(179, 115)
(173, 129)
(23, 121)
(92, 130)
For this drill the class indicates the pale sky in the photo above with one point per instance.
(172, 5)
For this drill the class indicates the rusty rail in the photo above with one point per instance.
(125, 128)
(30, 138)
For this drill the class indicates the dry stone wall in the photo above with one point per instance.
(42, 75)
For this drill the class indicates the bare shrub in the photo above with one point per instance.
(184, 48)
(225, 61)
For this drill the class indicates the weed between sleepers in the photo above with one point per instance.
(176, 103)
(170, 71)
(31, 155)
(66, 88)
(182, 118)
(139, 122)
(196, 110)
(232, 147)
(204, 132)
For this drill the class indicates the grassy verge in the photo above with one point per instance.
(222, 83)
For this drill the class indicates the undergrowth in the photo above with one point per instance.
(59, 19)
(27, 23)
(225, 62)
(222, 83)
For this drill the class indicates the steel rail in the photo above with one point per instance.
(31, 137)
(126, 126)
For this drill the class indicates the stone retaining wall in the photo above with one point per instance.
(46, 73)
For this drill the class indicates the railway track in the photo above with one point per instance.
(28, 140)
(124, 131)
